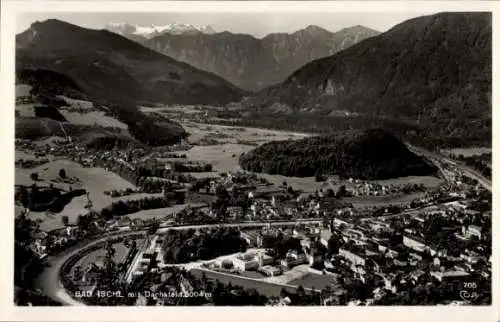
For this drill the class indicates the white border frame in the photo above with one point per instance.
(9, 312)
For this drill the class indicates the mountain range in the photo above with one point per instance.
(253, 63)
(58, 58)
(429, 77)
(142, 33)
(106, 65)
(433, 72)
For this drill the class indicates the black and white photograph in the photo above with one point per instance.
(252, 158)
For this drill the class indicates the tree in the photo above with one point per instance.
(319, 177)
(84, 222)
(333, 245)
(62, 173)
(342, 191)
(34, 176)
(154, 227)
(23, 196)
(65, 220)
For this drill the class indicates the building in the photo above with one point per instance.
(356, 259)
(325, 236)
(235, 211)
(270, 270)
(454, 275)
(265, 260)
(355, 234)
(246, 262)
(414, 242)
(293, 258)
(470, 257)
(145, 259)
(379, 225)
(472, 230)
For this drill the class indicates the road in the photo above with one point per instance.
(246, 224)
(51, 285)
(466, 170)
(412, 212)
(49, 281)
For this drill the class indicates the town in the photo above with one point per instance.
(237, 239)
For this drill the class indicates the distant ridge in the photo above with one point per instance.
(432, 71)
(138, 32)
(58, 58)
(106, 65)
(253, 63)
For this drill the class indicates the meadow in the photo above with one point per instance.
(262, 287)
(311, 280)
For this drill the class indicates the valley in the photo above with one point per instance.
(301, 169)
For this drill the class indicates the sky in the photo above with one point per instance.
(256, 24)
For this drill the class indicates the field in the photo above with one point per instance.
(78, 104)
(23, 90)
(24, 109)
(83, 113)
(220, 156)
(428, 181)
(311, 280)
(264, 288)
(92, 118)
(77, 112)
(94, 180)
(233, 141)
(467, 152)
(159, 213)
(137, 196)
(23, 155)
(370, 201)
(223, 157)
(252, 274)
(231, 134)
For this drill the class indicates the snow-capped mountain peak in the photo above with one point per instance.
(151, 31)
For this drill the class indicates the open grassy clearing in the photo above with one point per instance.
(75, 103)
(370, 201)
(24, 155)
(160, 213)
(252, 274)
(306, 184)
(261, 287)
(93, 118)
(94, 180)
(50, 141)
(137, 196)
(468, 152)
(25, 110)
(220, 156)
(224, 158)
(23, 90)
(311, 280)
(187, 109)
(233, 134)
(202, 175)
(428, 181)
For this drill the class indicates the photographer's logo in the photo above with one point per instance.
(469, 293)
(468, 296)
